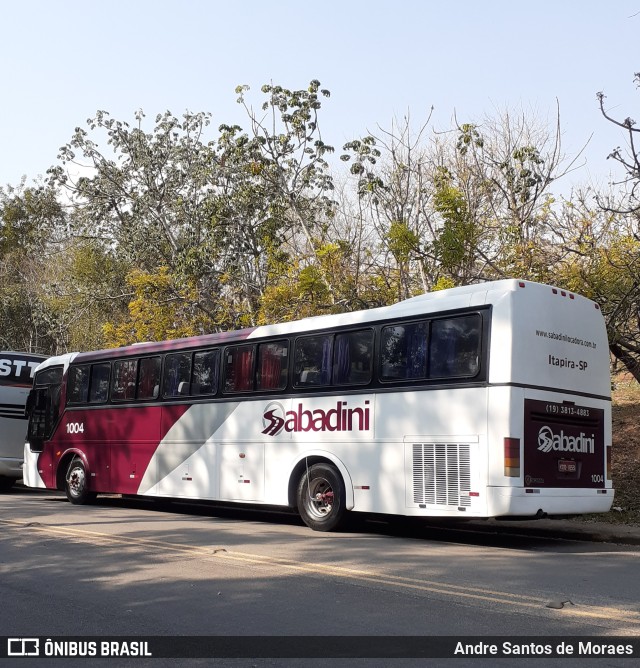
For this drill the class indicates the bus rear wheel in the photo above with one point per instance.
(321, 497)
(76, 484)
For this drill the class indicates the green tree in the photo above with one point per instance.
(31, 222)
(622, 258)
(211, 212)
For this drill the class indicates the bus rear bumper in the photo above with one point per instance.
(537, 502)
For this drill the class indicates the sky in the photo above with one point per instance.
(61, 61)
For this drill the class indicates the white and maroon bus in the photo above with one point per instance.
(16, 380)
(489, 400)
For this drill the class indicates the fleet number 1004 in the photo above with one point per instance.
(75, 427)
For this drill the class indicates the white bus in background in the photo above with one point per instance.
(490, 400)
(16, 380)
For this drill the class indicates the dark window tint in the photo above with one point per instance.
(238, 368)
(454, 350)
(352, 355)
(177, 375)
(272, 366)
(403, 351)
(99, 388)
(123, 383)
(149, 378)
(45, 404)
(312, 360)
(51, 376)
(78, 384)
(205, 372)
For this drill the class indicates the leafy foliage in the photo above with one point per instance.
(147, 230)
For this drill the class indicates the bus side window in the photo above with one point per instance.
(123, 383)
(99, 387)
(177, 372)
(454, 350)
(352, 357)
(149, 378)
(238, 368)
(272, 366)
(205, 372)
(403, 351)
(312, 360)
(78, 384)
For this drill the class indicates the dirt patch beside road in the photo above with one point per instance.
(625, 456)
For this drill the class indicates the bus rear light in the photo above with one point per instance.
(522, 284)
(512, 457)
(608, 453)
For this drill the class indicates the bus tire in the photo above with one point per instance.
(321, 497)
(76, 483)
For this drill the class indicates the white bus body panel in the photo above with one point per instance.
(13, 429)
(447, 442)
(32, 477)
(431, 450)
(16, 372)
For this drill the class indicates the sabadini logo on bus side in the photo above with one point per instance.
(341, 417)
(561, 442)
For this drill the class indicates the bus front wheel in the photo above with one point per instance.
(77, 483)
(321, 497)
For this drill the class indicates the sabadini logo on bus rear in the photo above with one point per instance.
(561, 442)
(341, 417)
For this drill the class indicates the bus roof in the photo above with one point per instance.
(440, 301)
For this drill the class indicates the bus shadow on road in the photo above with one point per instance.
(473, 533)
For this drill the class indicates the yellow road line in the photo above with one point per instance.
(371, 576)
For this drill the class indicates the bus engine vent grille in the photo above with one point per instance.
(441, 474)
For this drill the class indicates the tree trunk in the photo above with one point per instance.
(630, 362)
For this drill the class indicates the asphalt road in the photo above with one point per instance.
(126, 568)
